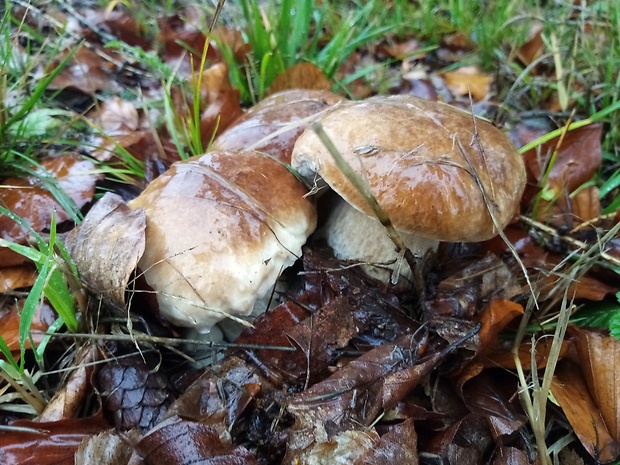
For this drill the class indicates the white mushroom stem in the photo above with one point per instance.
(358, 237)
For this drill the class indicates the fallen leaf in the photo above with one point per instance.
(43, 318)
(534, 47)
(47, 443)
(398, 445)
(16, 277)
(300, 76)
(570, 390)
(578, 159)
(86, 72)
(29, 198)
(599, 357)
(107, 246)
(468, 80)
(181, 442)
(68, 401)
(494, 318)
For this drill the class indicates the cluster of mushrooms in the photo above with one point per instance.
(222, 227)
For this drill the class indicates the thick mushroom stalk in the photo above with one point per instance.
(437, 172)
(376, 252)
(220, 228)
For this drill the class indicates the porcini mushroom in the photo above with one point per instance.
(436, 171)
(220, 228)
(274, 124)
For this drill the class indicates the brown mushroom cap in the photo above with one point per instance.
(220, 229)
(274, 124)
(426, 163)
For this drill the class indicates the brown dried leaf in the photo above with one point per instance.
(67, 402)
(350, 447)
(398, 445)
(221, 395)
(493, 396)
(47, 443)
(16, 277)
(118, 116)
(495, 317)
(107, 246)
(578, 159)
(570, 390)
(43, 318)
(28, 198)
(503, 357)
(180, 442)
(599, 357)
(534, 47)
(466, 80)
(300, 76)
(86, 72)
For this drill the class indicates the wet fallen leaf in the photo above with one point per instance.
(599, 357)
(107, 246)
(29, 198)
(44, 316)
(397, 445)
(118, 116)
(300, 76)
(16, 277)
(577, 160)
(181, 442)
(468, 80)
(47, 443)
(570, 390)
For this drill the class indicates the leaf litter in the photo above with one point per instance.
(360, 381)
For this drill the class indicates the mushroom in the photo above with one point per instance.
(220, 228)
(273, 125)
(438, 173)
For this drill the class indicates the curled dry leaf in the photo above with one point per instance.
(28, 198)
(570, 390)
(67, 402)
(221, 395)
(599, 357)
(107, 246)
(300, 76)
(494, 318)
